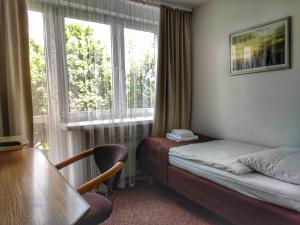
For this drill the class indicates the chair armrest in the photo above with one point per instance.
(75, 158)
(101, 178)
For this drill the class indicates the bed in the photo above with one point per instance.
(248, 199)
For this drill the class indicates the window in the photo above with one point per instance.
(38, 80)
(99, 67)
(140, 68)
(95, 82)
(88, 51)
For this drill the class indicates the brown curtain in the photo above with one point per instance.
(173, 96)
(15, 87)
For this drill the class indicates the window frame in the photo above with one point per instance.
(66, 106)
(119, 111)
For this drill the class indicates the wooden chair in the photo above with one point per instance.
(110, 159)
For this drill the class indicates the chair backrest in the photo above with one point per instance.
(106, 156)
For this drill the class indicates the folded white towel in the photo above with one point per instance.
(182, 133)
(181, 139)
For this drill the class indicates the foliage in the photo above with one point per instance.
(88, 63)
(38, 78)
(140, 79)
(39, 93)
(90, 77)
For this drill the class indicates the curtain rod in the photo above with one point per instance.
(158, 3)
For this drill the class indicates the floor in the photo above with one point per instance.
(157, 205)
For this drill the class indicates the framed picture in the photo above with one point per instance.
(261, 48)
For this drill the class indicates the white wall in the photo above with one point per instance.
(261, 108)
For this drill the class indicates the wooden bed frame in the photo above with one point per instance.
(152, 155)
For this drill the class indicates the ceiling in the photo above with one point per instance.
(187, 3)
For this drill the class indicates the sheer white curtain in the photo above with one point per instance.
(100, 78)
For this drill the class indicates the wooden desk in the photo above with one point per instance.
(33, 192)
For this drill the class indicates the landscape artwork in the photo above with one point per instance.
(261, 48)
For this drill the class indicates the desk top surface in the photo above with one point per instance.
(32, 191)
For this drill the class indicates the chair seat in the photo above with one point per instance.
(100, 209)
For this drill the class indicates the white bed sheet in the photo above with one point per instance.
(254, 185)
(220, 154)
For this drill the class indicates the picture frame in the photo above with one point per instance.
(261, 48)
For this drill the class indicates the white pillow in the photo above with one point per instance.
(280, 163)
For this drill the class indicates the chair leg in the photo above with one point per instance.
(151, 180)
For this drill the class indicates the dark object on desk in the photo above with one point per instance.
(110, 159)
(9, 143)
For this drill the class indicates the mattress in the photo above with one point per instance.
(253, 185)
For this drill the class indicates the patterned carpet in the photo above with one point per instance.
(157, 205)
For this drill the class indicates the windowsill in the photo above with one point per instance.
(107, 123)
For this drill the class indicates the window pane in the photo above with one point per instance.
(38, 79)
(88, 50)
(37, 63)
(140, 68)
